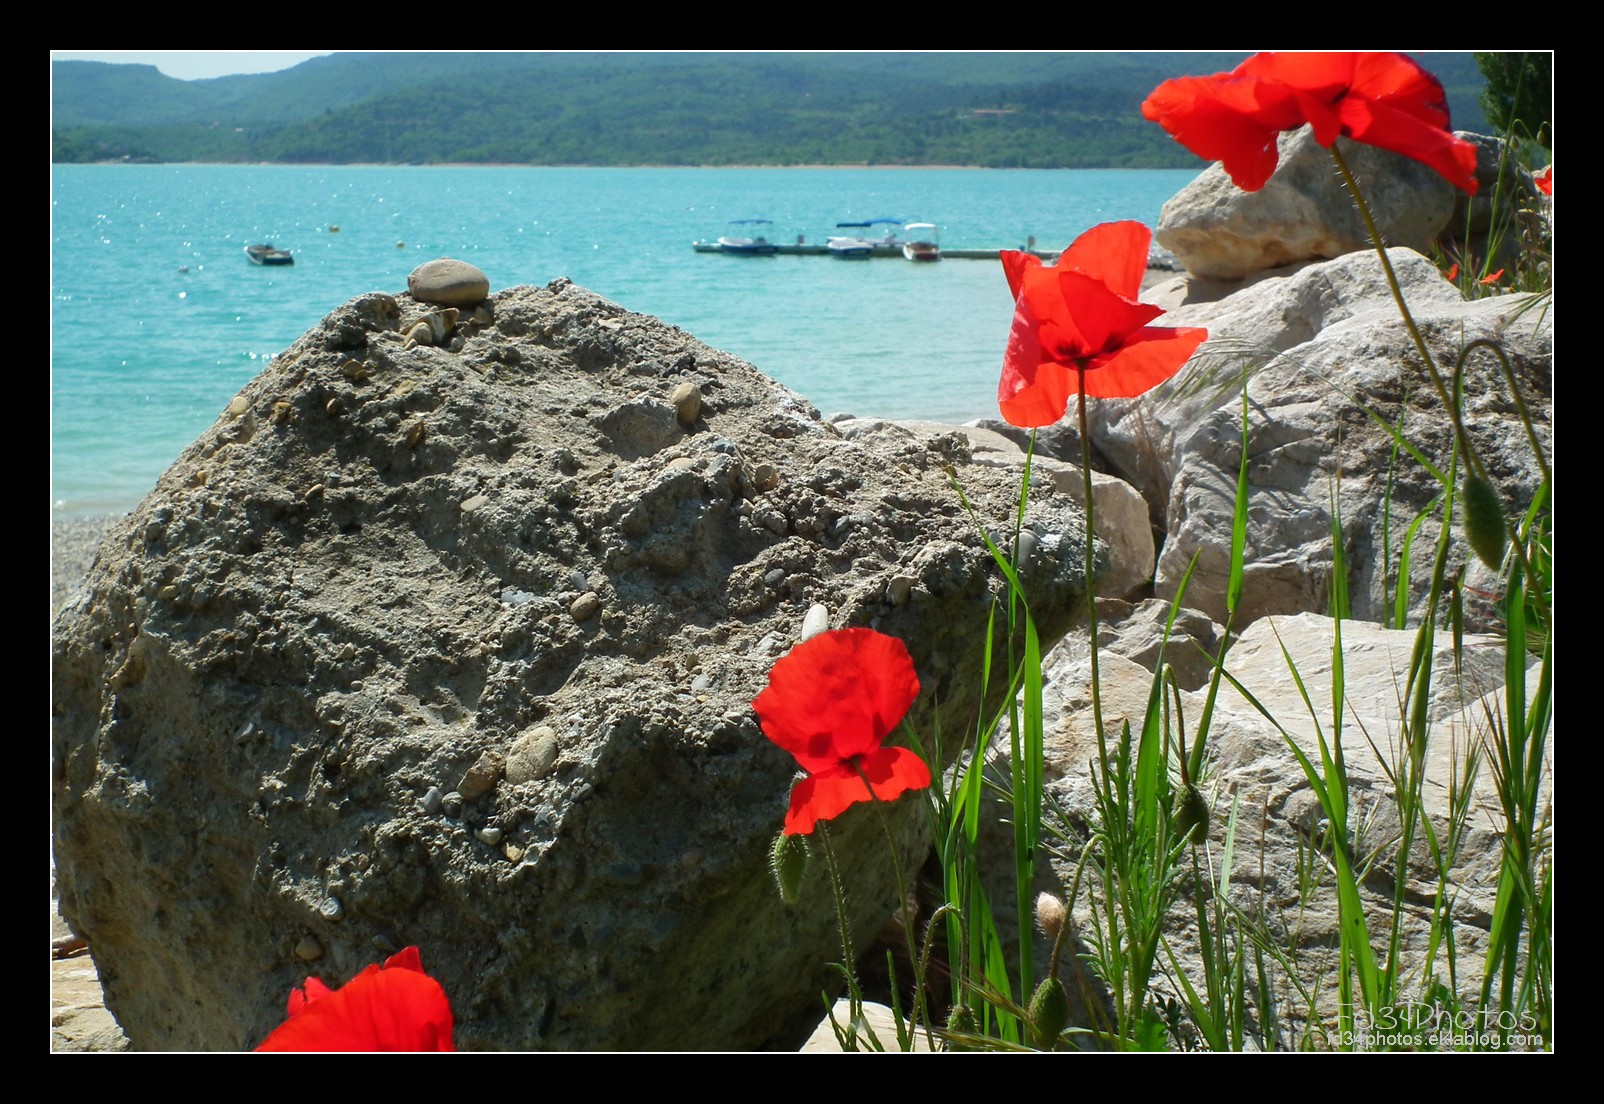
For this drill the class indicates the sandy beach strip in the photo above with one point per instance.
(73, 543)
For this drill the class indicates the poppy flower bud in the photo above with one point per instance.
(1191, 814)
(1049, 1011)
(788, 859)
(1484, 520)
(960, 1022)
(1050, 913)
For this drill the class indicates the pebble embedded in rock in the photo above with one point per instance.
(449, 283)
(899, 589)
(452, 804)
(309, 949)
(815, 621)
(513, 852)
(1028, 541)
(433, 328)
(475, 503)
(432, 800)
(331, 909)
(490, 836)
(774, 576)
(532, 755)
(585, 606)
(482, 777)
(687, 402)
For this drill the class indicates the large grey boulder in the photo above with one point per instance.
(1319, 344)
(453, 643)
(1218, 231)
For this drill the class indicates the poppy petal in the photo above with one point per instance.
(837, 696)
(1232, 121)
(1150, 357)
(1384, 99)
(1389, 128)
(1039, 402)
(392, 1009)
(1114, 253)
(1016, 265)
(1073, 320)
(891, 772)
(1396, 80)
(1040, 306)
(1033, 391)
(1312, 71)
(1103, 317)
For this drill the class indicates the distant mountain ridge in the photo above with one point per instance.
(1041, 110)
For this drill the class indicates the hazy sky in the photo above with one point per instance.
(197, 64)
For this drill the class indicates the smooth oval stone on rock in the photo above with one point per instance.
(532, 755)
(449, 283)
(816, 621)
(687, 402)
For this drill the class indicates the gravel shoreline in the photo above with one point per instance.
(73, 543)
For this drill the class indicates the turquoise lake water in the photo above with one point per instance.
(144, 355)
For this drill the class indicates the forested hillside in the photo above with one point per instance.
(1037, 110)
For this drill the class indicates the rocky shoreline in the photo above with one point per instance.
(78, 1017)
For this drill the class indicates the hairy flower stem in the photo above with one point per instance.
(1091, 593)
(920, 1012)
(1461, 439)
(848, 963)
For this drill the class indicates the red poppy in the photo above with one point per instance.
(1383, 100)
(397, 1008)
(1453, 273)
(1080, 320)
(1492, 277)
(831, 703)
(1544, 180)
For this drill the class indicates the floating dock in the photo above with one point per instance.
(809, 250)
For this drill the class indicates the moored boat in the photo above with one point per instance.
(876, 237)
(850, 246)
(921, 242)
(268, 254)
(753, 242)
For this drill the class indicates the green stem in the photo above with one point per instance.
(920, 1011)
(1091, 593)
(1461, 438)
(1397, 290)
(848, 963)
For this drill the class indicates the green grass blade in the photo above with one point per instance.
(1239, 520)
